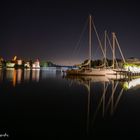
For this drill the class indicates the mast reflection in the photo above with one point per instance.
(106, 96)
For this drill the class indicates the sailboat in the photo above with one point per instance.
(88, 70)
(112, 71)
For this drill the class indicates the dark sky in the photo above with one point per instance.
(50, 30)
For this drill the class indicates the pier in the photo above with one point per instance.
(127, 74)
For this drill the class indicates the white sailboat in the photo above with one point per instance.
(88, 71)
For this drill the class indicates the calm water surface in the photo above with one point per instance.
(44, 103)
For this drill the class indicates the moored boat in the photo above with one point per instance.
(87, 72)
(86, 69)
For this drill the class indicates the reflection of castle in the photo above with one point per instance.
(17, 76)
(27, 74)
(35, 75)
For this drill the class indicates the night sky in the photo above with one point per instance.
(50, 30)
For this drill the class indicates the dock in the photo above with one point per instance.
(127, 74)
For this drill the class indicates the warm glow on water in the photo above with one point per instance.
(46, 103)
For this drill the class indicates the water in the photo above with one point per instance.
(44, 103)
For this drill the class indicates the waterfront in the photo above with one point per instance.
(44, 103)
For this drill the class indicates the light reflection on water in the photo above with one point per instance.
(19, 75)
(103, 98)
(110, 93)
(109, 99)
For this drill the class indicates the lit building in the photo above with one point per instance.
(27, 65)
(10, 64)
(19, 62)
(36, 64)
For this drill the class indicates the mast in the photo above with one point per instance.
(119, 48)
(89, 41)
(105, 48)
(113, 35)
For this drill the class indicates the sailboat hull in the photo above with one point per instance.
(87, 72)
(110, 72)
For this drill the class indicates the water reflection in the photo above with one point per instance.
(1, 75)
(17, 76)
(94, 99)
(45, 73)
(27, 73)
(107, 97)
(10, 74)
(35, 75)
(132, 84)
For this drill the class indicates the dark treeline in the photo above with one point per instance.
(99, 62)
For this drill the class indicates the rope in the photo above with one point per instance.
(100, 44)
(120, 49)
(77, 46)
(97, 49)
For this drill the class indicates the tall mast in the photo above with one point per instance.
(105, 48)
(90, 40)
(113, 35)
(119, 48)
